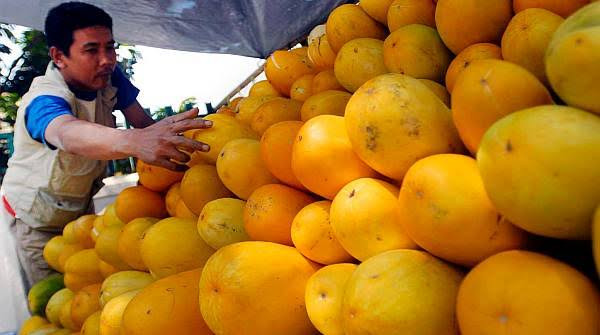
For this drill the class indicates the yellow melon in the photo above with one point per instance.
(242, 182)
(106, 269)
(438, 89)
(97, 227)
(467, 57)
(283, 68)
(527, 37)
(274, 111)
(444, 208)
(33, 323)
(365, 219)
(222, 222)
(110, 217)
(323, 159)
(258, 287)
(234, 102)
(167, 306)
(78, 231)
(55, 304)
(66, 253)
(172, 197)
(313, 235)
(156, 178)
(138, 202)
(85, 303)
(263, 89)
(325, 103)
(324, 293)
(321, 54)
(520, 160)
(358, 61)
(201, 184)
(52, 250)
(82, 269)
(348, 22)
(504, 292)
(326, 80)
(418, 51)
(596, 238)
(560, 7)
(302, 87)
(394, 120)
(247, 108)
(225, 128)
(91, 325)
(107, 247)
(571, 59)
(270, 211)
(182, 211)
(276, 151)
(168, 235)
(401, 292)
(485, 92)
(376, 9)
(129, 240)
(112, 314)
(123, 282)
(404, 12)
(462, 23)
(65, 317)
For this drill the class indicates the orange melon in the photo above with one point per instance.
(503, 294)
(276, 151)
(485, 92)
(358, 61)
(467, 57)
(156, 178)
(323, 159)
(138, 202)
(462, 23)
(348, 22)
(270, 211)
(243, 153)
(404, 12)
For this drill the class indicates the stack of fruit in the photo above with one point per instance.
(408, 172)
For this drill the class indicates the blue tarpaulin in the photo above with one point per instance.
(252, 28)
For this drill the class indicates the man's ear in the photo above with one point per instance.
(58, 57)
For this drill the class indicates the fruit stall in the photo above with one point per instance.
(415, 167)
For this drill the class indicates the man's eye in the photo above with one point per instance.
(91, 51)
(110, 47)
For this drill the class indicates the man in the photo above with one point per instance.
(64, 132)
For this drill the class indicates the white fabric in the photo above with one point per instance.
(13, 300)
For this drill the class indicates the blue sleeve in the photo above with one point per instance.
(126, 92)
(40, 112)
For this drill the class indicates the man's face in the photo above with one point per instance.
(91, 61)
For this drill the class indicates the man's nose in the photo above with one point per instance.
(107, 58)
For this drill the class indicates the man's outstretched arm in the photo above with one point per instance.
(156, 144)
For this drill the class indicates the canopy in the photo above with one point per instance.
(252, 28)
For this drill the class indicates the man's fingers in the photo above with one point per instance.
(163, 162)
(177, 155)
(185, 125)
(190, 145)
(192, 113)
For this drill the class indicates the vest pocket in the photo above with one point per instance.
(73, 176)
(52, 211)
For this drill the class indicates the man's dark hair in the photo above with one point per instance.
(65, 18)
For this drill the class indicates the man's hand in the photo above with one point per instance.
(161, 143)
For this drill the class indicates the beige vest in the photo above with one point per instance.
(49, 188)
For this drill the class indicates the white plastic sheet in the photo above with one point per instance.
(252, 28)
(13, 301)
